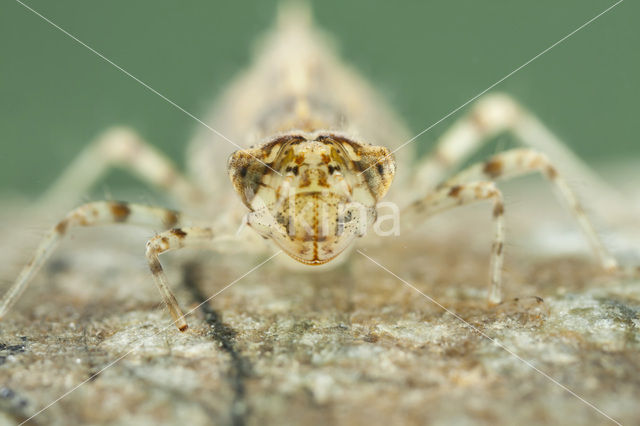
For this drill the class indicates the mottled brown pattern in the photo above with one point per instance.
(178, 233)
(493, 168)
(304, 166)
(120, 211)
(61, 227)
(155, 266)
(455, 191)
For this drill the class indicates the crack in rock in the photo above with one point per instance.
(240, 368)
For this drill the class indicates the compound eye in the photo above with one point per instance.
(293, 170)
(247, 174)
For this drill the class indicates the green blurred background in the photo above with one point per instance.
(426, 57)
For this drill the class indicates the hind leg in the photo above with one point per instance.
(489, 116)
(119, 147)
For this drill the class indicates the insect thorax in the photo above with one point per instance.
(311, 193)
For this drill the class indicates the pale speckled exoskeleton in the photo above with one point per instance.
(316, 160)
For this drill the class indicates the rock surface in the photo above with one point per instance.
(349, 346)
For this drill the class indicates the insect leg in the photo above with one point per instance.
(446, 198)
(170, 240)
(517, 162)
(92, 214)
(489, 116)
(119, 147)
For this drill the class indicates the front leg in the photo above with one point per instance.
(170, 240)
(189, 237)
(518, 162)
(449, 197)
(91, 214)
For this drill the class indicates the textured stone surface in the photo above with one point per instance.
(349, 346)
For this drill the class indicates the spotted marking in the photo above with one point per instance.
(455, 191)
(178, 233)
(493, 168)
(155, 266)
(295, 170)
(498, 210)
(322, 180)
(61, 227)
(120, 211)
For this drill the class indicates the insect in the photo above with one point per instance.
(318, 152)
